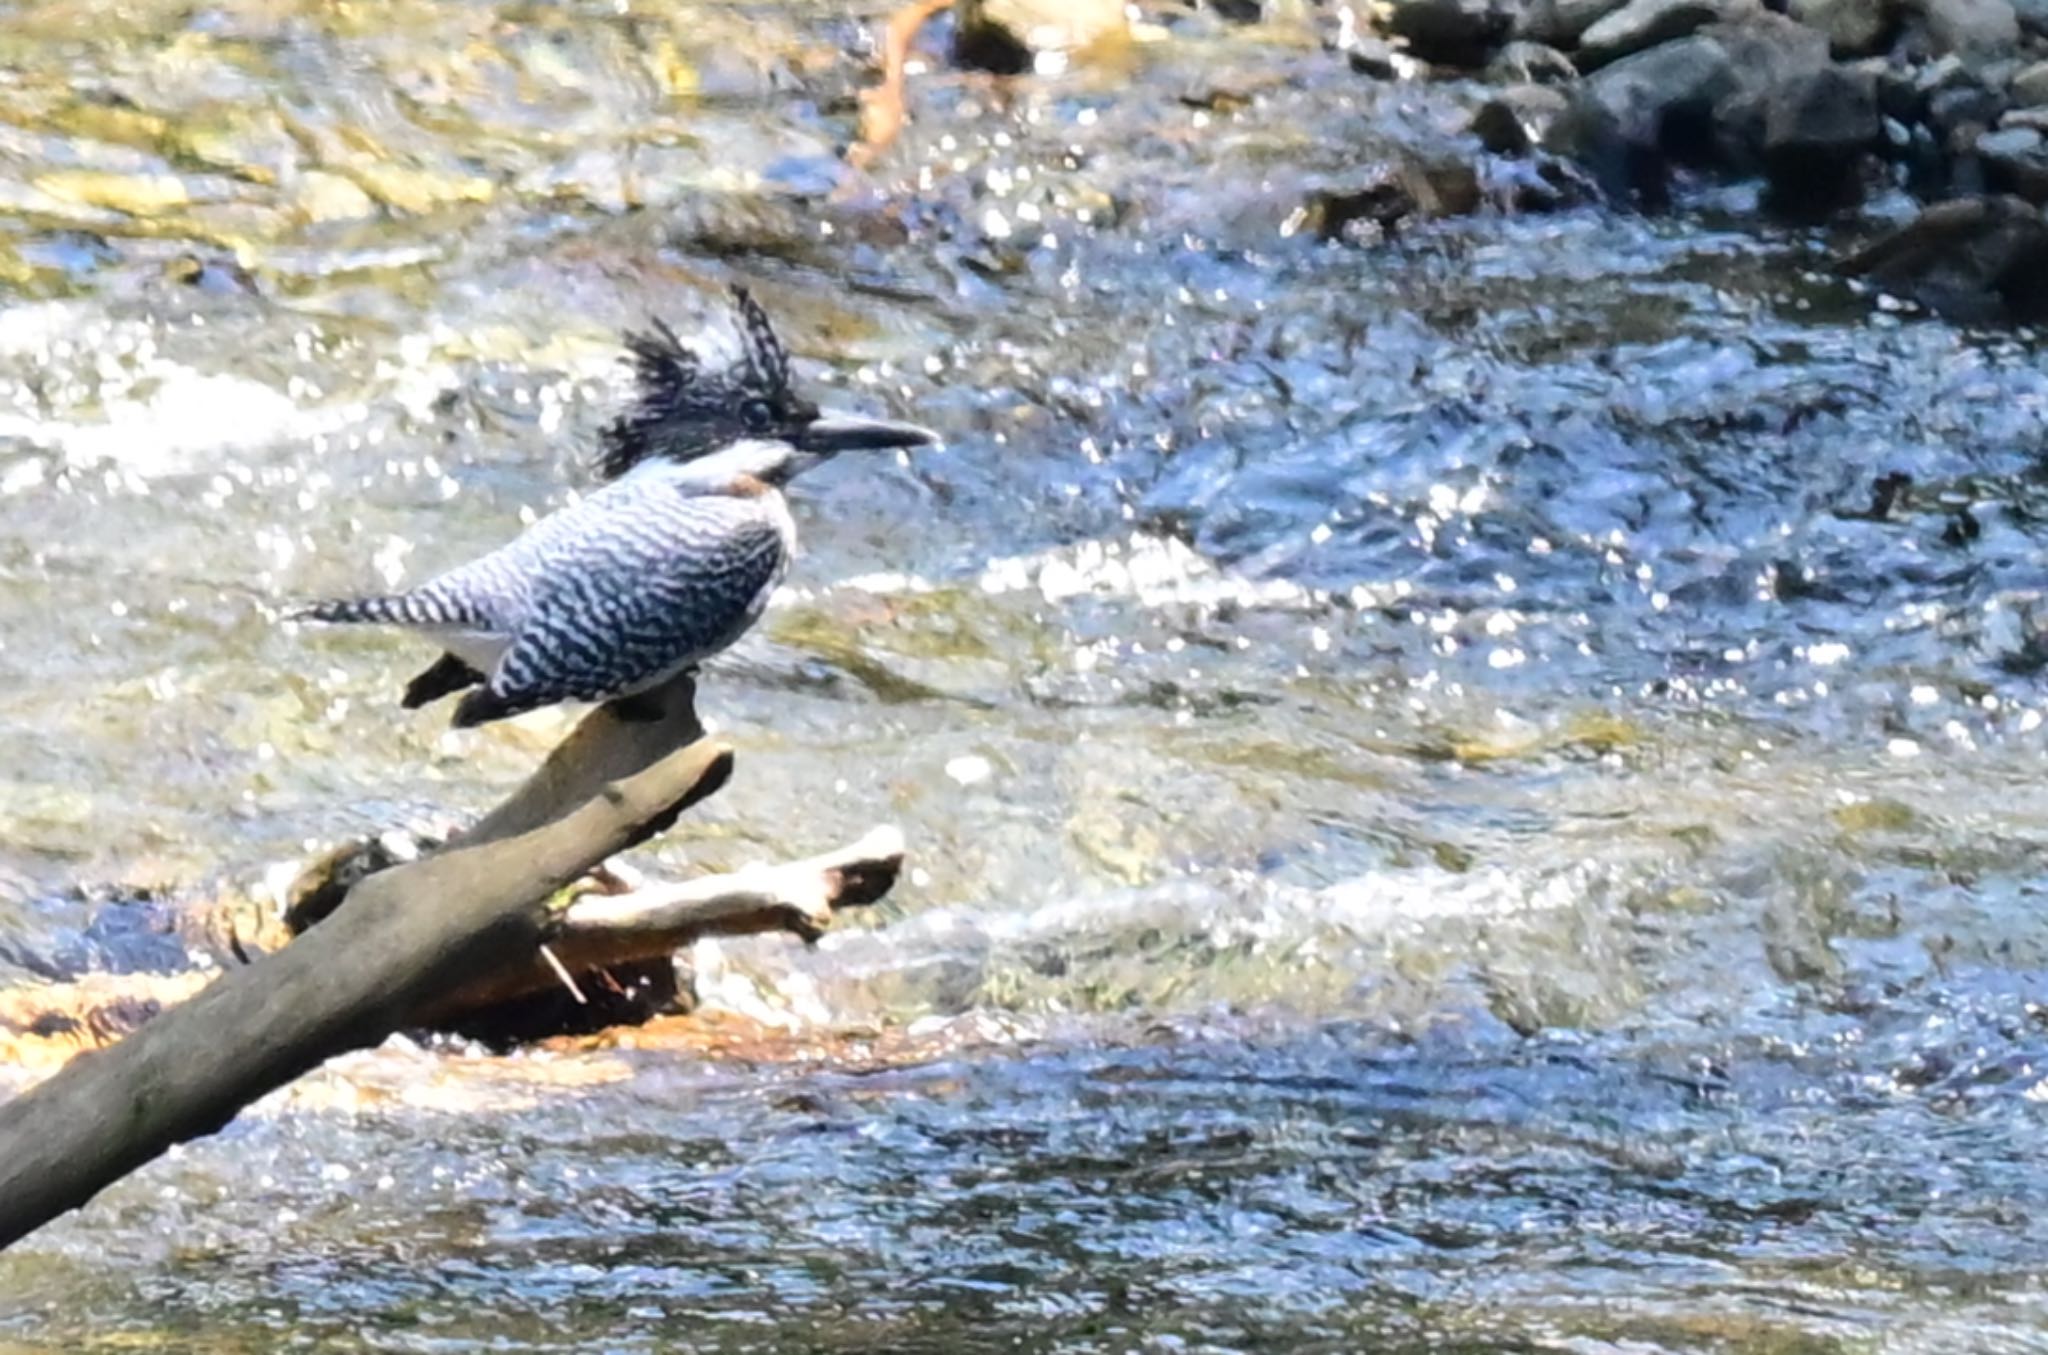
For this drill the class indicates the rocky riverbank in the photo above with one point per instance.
(1838, 106)
(1867, 111)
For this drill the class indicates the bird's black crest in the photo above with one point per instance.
(766, 360)
(683, 409)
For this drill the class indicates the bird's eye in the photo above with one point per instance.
(758, 415)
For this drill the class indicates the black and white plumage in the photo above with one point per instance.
(667, 564)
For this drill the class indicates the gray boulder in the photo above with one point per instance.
(1709, 100)
(1558, 23)
(1642, 24)
(2029, 88)
(2016, 161)
(1629, 119)
(1768, 53)
(1973, 28)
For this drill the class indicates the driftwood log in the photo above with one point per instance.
(490, 916)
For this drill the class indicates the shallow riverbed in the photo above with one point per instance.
(1440, 822)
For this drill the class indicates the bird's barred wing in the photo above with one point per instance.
(665, 584)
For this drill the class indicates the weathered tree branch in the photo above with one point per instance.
(401, 937)
(431, 942)
(602, 749)
(597, 931)
(46, 1024)
(800, 895)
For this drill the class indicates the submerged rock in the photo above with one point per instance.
(319, 196)
(1412, 187)
(1981, 259)
(1409, 187)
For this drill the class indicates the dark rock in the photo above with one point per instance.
(1531, 63)
(220, 277)
(1962, 107)
(2033, 15)
(2029, 88)
(1452, 32)
(1006, 36)
(2015, 161)
(320, 887)
(1393, 193)
(1374, 57)
(1339, 214)
(1972, 259)
(1898, 94)
(1500, 130)
(1642, 24)
(1886, 491)
(1818, 126)
(1961, 172)
(1559, 23)
(1975, 28)
(1852, 27)
(1515, 120)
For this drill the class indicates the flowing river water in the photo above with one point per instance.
(1440, 820)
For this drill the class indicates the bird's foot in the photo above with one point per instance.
(641, 708)
(448, 674)
(481, 706)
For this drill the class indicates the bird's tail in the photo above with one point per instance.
(391, 609)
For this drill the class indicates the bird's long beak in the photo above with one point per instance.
(835, 432)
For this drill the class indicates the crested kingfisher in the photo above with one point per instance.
(665, 565)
